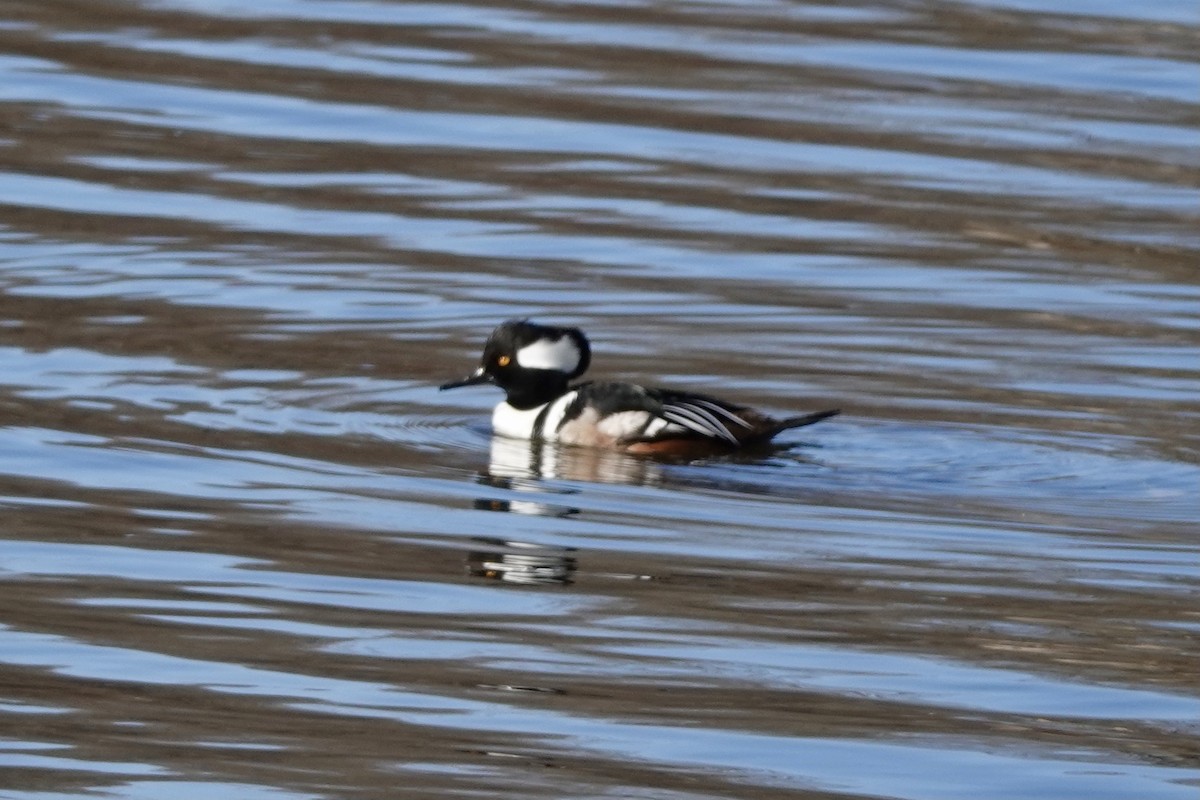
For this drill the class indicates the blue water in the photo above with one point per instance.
(251, 551)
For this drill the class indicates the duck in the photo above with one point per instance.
(535, 365)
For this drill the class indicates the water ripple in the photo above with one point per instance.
(250, 550)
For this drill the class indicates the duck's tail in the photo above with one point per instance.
(801, 421)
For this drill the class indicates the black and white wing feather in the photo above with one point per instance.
(637, 415)
(705, 416)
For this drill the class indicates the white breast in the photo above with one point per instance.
(520, 424)
(514, 422)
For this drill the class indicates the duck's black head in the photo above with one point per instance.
(532, 363)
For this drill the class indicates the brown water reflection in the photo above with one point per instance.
(249, 551)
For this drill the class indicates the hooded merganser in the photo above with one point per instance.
(534, 365)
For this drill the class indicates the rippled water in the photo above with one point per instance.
(250, 551)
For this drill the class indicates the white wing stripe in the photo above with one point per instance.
(693, 425)
(723, 411)
(714, 424)
(699, 420)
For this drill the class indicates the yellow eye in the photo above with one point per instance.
(503, 361)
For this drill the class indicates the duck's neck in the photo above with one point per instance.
(538, 388)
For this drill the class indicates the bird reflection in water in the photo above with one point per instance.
(524, 471)
(522, 562)
(524, 467)
(531, 461)
(516, 467)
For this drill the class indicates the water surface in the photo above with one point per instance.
(250, 551)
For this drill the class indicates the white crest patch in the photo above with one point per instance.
(560, 354)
